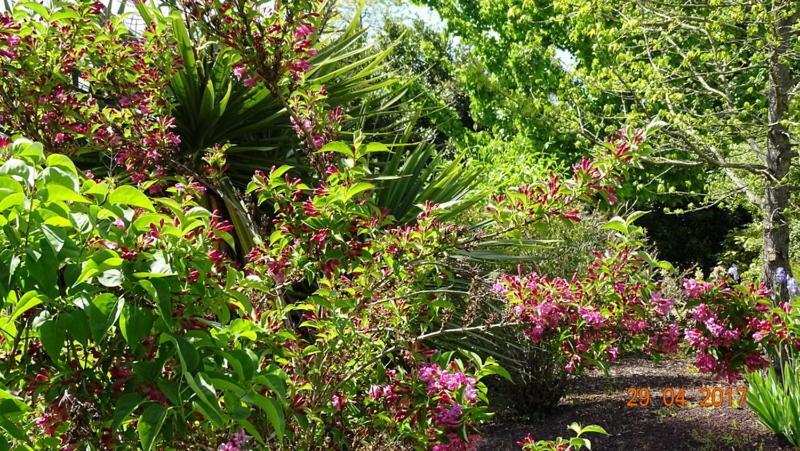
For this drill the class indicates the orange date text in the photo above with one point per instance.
(677, 396)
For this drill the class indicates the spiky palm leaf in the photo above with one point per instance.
(410, 179)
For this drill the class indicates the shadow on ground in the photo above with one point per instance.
(598, 399)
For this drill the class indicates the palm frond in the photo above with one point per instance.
(410, 179)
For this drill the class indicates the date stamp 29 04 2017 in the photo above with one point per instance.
(714, 396)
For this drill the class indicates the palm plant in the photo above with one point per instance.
(212, 107)
(410, 179)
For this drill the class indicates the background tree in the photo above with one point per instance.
(723, 76)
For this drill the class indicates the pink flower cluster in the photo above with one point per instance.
(272, 43)
(603, 307)
(442, 386)
(130, 118)
(661, 305)
(729, 325)
(695, 289)
(447, 394)
(235, 442)
(440, 382)
(313, 123)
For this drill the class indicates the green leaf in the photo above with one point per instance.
(79, 326)
(41, 10)
(126, 404)
(149, 425)
(26, 302)
(52, 334)
(110, 278)
(159, 293)
(375, 147)
(617, 224)
(189, 354)
(9, 185)
(59, 176)
(159, 267)
(26, 148)
(338, 147)
(94, 188)
(634, 216)
(135, 323)
(128, 195)
(594, 428)
(60, 193)
(61, 161)
(274, 411)
(20, 170)
(12, 200)
(54, 236)
(102, 313)
(206, 397)
(358, 188)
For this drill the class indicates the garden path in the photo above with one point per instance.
(597, 399)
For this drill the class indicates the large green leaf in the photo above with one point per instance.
(102, 313)
(149, 425)
(129, 195)
(52, 334)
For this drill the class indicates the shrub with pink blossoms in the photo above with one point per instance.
(439, 402)
(78, 81)
(731, 326)
(593, 315)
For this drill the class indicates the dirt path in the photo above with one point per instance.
(596, 399)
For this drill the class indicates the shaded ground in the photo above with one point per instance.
(596, 399)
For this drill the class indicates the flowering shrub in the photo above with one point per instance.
(368, 291)
(75, 80)
(614, 304)
(125, 324)
(558, 197)
(732, 325)
(119, 323)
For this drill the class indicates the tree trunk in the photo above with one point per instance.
(776, 236)
(778, 159)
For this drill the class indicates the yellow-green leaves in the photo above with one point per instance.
(130, 196)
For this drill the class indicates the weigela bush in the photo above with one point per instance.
(731, 326)
(76, 80)
(368, 290)
(593, 316)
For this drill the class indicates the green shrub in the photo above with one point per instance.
(119, 316)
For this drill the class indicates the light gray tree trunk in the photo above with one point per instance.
(779, 156)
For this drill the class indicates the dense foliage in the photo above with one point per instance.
(159, 290)
(721, 75)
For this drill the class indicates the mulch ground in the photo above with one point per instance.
(601, 400)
